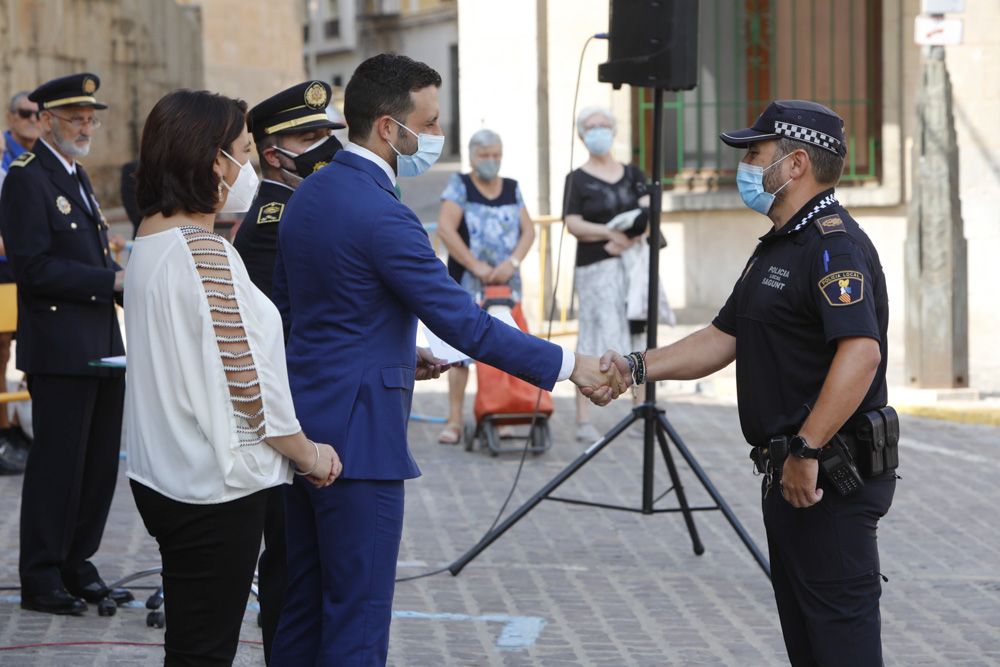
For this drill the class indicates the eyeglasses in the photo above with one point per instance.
(27, 113)
(80, 123)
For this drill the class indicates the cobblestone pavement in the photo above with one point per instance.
(572, 585)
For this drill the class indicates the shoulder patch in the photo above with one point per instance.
(843, 288)
(23, 159)
(270, 213)
(830, 224)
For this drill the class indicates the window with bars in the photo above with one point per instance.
(755, 51)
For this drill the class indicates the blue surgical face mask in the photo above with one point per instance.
(428, 151)
(598, 140)
(487, 169)
(750, 181)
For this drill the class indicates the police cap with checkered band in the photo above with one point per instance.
(799, 120)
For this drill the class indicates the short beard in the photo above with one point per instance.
(70, 148)
(772, 180)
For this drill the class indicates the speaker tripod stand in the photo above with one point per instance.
(656, 427)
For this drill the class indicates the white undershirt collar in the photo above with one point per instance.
(352, 147)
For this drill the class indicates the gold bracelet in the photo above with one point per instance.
(315, 463)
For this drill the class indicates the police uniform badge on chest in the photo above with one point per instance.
(63, 205)
(843, 288)
(270, 213)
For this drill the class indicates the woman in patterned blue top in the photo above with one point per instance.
(487, 230)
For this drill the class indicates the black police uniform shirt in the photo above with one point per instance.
(808, 284)
(57, 244)
(257, 238)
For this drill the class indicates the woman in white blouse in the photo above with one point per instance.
(209, 421)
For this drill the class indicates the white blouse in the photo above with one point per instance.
(206, 381)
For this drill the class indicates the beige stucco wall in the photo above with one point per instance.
(252, 48)
(139, 49)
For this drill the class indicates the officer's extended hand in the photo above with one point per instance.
(798, 482)
(119, 280)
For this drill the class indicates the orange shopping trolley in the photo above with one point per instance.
(503, 400)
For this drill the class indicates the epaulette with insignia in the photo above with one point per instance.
(270, 213)
(830, 224)
(23, 159)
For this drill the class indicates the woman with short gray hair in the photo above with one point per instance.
(487, 230)
(598, 192)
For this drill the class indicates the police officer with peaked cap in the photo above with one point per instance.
(292, 134)
(56, 237)
(806, 324)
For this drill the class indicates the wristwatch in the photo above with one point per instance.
(515, 262)
(797, 446)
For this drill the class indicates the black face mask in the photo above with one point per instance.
(314, 158)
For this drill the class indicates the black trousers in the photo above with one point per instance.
(272, 570)
(825, 573)
(208, 554)
(70, 478)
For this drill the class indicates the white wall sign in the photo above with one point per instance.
(942, 6)
(936, 31)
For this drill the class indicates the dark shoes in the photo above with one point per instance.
(14, 446)
(96, 591)
(54, 602)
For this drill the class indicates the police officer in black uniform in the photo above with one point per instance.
(57, 242)
(806, 324)
(292, 134)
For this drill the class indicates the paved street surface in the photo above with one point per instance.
(573, 585)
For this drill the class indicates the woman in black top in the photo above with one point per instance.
(601, 189)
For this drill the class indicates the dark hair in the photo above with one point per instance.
(826, 166)
(381, 86)
(180, 141)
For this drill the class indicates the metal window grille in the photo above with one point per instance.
(754, 51)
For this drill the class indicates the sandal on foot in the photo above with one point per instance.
(450, 434)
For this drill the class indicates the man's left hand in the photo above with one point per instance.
(798, 482)
(429, 366)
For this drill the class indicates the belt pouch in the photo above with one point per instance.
(870, 437)
(891, 420)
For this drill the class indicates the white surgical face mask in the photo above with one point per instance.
(243, 189)
(429, 148)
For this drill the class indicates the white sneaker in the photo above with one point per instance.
(585, 432)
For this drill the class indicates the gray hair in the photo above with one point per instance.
(483, 138)
(17, 98)
(586, 113)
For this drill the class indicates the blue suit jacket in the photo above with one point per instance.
(355, 270)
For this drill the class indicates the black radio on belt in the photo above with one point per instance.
(839, 468)
(877, 435)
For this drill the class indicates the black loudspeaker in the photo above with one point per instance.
(653, 44)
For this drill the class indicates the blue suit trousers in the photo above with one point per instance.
(343, 542)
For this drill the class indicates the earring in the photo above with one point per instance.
(220, 189)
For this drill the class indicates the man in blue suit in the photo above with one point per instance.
(355, 270)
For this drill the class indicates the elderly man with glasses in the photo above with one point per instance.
(22, 121)
(57, 242)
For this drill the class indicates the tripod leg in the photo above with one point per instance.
(541, 495)
(716, 496)
(675, 479)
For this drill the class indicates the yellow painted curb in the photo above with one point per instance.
(964, 414)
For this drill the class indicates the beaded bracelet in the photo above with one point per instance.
(637, 366)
